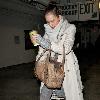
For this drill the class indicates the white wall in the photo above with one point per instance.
(16, 17)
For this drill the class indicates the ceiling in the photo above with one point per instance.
(41, 4)
(45, 2)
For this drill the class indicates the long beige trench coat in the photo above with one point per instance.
(64, 34)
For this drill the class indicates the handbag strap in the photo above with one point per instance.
(41, 54)
(56, 55)
(63, 60)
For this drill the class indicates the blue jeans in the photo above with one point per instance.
(46, 93)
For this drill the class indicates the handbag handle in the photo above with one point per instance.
(41, 54)
(56, 56)
(63, 60)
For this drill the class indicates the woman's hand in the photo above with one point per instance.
(34, 37)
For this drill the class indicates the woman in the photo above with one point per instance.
(60, 32)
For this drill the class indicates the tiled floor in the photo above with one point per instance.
(17, 82)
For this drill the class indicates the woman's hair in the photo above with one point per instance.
(52, 7)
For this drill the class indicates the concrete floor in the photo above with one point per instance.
(18, 83)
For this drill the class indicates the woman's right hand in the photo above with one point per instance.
(34, 37)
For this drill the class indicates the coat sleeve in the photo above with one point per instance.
(41, 49)
(67, 40)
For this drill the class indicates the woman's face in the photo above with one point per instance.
(52, 20)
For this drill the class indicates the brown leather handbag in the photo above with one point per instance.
(49, 71)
